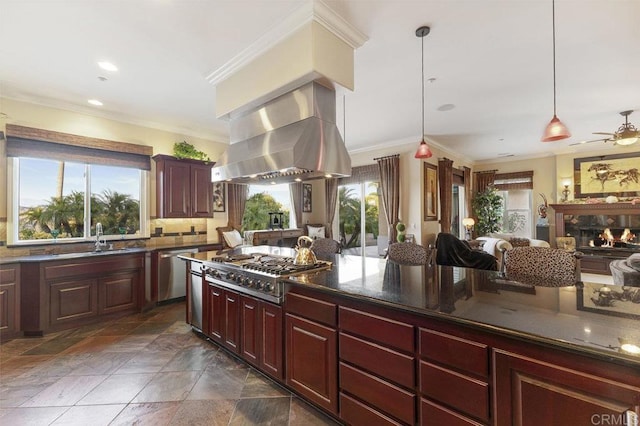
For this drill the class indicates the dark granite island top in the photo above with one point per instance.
(563, 317)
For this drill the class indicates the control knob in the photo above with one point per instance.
(268, 287)
(230, 276)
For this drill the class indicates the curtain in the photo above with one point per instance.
(468, 192)
(482, 180)
(390, 189)
(331, 198)
(445, 183)
(296, 201)
(237, 199)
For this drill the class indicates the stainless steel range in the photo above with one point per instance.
(256, 274)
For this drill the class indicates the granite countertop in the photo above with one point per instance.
(564, 317)
(104, 252)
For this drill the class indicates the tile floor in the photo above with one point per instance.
(144, 369)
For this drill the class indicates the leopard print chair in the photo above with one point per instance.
(408, 254)
(542, 266)
(325, 247)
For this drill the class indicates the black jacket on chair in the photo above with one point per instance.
(451, 251)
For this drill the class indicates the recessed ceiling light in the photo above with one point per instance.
(95, 102)
(107, 66)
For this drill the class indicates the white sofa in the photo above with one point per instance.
(497, 244)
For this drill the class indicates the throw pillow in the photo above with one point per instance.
(519, 242)
(634, 261)
(316, 232)
(232, 238)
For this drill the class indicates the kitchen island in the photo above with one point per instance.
(373, 341)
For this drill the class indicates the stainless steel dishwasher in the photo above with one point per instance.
(172, 274)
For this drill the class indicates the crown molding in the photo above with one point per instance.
(314, 10)
(120, 118)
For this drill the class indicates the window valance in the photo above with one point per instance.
(515, 180)
(38, 143)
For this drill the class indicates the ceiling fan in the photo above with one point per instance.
(626, 134)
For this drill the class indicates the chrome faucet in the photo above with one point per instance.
(100, 240)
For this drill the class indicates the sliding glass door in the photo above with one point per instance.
(362, 219)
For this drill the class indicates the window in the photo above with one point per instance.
(51, 202)
(62, 185)
(265, 199)
(517, 213)
(516, 190)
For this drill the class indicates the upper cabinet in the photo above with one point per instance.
(183, 187)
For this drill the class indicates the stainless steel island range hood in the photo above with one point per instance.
(290, 138)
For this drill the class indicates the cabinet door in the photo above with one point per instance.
(216, 317)
(231, 333)
(201, 191)
(72, 301)
(9, 300)
(118, 293)
(271, 341)
(530, 392)
(250, 323)
(175, 194)
(312, 361)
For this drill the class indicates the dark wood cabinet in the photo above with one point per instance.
(533, 392)
(247, 326)
(454, 373)
(224, 317)
(69, 293)
(271, 345)
(117, 292)
(232, 321)
(377, 368)
(311, 347)
(215, 313)
(250, 333)
(311, 350)
(9, 300)
(183, 187)
(261, 335)
(74, 300)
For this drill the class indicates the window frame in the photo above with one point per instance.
(13, 227)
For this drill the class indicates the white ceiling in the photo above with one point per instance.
(492, 59)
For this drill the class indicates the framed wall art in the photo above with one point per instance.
(430, 192)
(306, 198)
(219, 196)
(615, 174)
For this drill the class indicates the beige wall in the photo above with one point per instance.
(412, 185)
(544, 179)
(548, 171)
(59, 120)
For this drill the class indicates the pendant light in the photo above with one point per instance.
(555, 130)
(423, 150)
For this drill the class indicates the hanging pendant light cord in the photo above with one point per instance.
(553, 26)
(422, 39)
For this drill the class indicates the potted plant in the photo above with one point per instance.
(186, 150)
(487, 208)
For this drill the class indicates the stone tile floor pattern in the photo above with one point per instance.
(143, 369)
